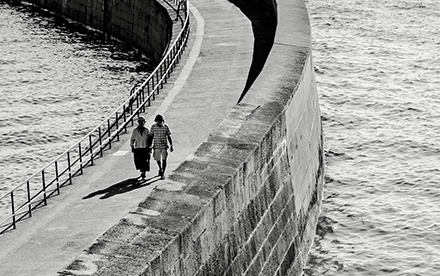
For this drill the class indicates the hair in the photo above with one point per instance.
(159, 118)
(141, 118)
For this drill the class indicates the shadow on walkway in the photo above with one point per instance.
(123, 187)
(264, 20)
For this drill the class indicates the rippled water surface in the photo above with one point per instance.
(378, 68)
(57, 82)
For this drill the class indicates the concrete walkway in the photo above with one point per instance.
(202, 90)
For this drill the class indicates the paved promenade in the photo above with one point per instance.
(202, 90)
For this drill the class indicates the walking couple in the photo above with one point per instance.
(142, 139)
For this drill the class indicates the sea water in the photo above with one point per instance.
(378, 76)
(377, 69)
(58, 80)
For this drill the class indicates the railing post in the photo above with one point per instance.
(151, 92)
(174, 55)
(168, 65)
(161, 75)
(100, 140)
(125, 120)
(57, 177)
(80, 158)
(142, 99)
(13, 210)
(69, 167)
(29, 198)
(152, 86)
(109, 135)
(157, 80)
(117, 126)
(148, 94)
(44, 188)
(175, 60)
(91, 151)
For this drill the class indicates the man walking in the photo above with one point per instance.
(140, 147)
(161, 135)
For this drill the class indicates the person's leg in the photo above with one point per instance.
(148, 161)
(164, 162)
(159, 164)
(137, 154)
(157, 156)
(164, 166)
(144, 159)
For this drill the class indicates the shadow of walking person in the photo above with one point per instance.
(122, 187)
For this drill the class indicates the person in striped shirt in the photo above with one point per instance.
(161, 136)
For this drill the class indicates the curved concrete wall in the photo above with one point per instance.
(145, 24)
(247, 201)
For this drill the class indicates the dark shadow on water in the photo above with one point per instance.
(123, 187)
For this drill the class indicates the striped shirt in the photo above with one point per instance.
(160, 136)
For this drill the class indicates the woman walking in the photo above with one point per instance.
(140, 147)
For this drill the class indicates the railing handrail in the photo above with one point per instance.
(103, 122)
(127, 107)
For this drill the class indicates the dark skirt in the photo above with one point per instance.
(142, 159)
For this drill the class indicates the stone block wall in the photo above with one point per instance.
(259, 179)
(246, 202)
(145, 24)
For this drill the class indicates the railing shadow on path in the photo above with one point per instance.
(125, 186)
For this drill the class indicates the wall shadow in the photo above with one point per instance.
(264, 19)
(123, 187)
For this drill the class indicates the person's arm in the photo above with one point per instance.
(150, 140)
(170, 141)
(132, 140)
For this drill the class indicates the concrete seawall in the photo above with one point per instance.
(246, 201)
(145, 24)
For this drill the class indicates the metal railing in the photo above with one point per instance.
(38, 188)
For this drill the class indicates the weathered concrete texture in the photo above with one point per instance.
(145, 24)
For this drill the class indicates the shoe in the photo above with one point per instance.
(160, 173)
(143, 175)
(162, 176)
